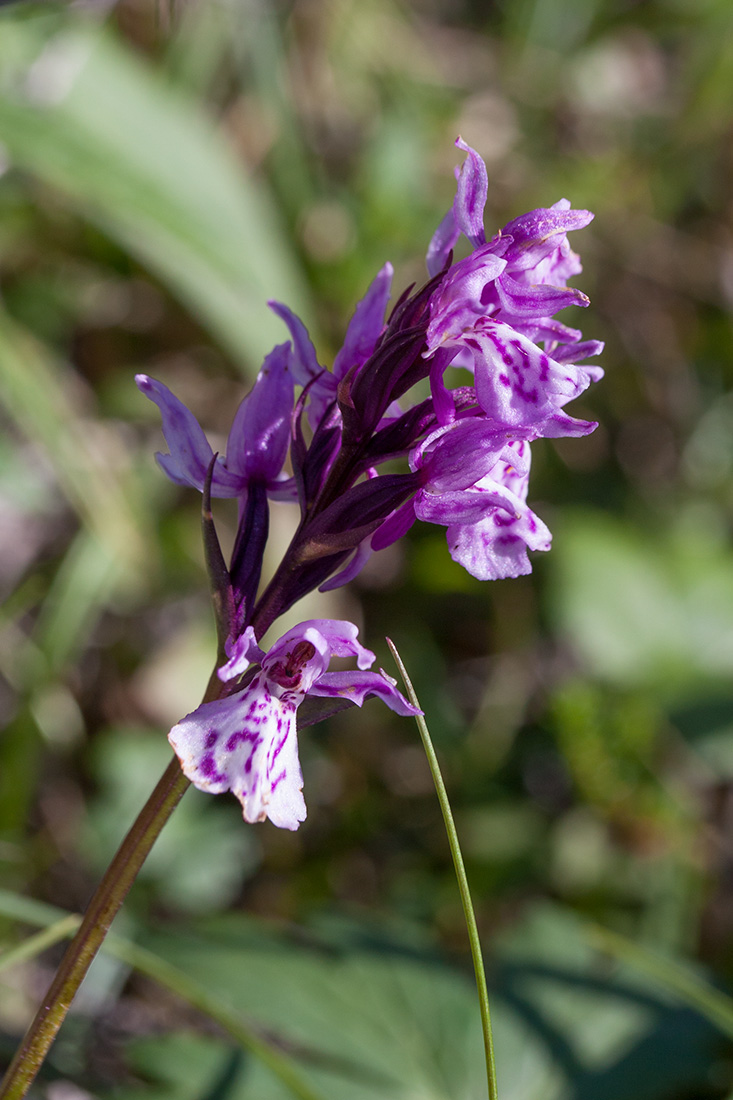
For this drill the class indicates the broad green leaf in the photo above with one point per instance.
(401, 1025)
(142, 160)
(366, 1014)
(407, 1023)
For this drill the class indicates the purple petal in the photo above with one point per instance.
(395, 526)
(576, 353)
(260, 433)
(190, 453)
(356, 686)
(524, 301)
(458, 456)
(247, 744)
(442, 242)
(339, 635)
(365, 327)
(470, 200)
(242, 652)
(351, 569)
(535, 234)
(460, 297)
(465, 505)
(305, 362)
(443, 399)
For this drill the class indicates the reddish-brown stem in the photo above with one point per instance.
(100, 913)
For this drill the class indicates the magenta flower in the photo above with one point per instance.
(247, 743)
(492, 537)
(258, 439)
(473, 480)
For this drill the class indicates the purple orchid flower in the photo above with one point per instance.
(495, 541)
(247, 743)
(492, 308)
(258, 439)
(474, 480)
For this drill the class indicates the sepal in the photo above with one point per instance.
(220, 585)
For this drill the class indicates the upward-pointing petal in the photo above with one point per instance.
(260, 433)
(471, 193)
(366, 324)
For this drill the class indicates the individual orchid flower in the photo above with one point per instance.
(251, 470)
(494, 542)
(473, 480)
(258, 439)
(247, 742)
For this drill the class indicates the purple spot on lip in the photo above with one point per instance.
(238, 738)
(250, 758)
(275, 782)
(278, 748)
(208, 768)
(211, 738)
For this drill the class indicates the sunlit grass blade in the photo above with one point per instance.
(34, 945)
(455, 849)
(146, 962)
(693, 990)
(36, 391)
(139, 158)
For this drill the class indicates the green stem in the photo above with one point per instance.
(460, 869)
(102, 909)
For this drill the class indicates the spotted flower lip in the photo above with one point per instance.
(247, 742)
(493, 544)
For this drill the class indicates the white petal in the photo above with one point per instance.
(246, 744)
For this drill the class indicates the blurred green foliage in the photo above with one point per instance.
(167, 167)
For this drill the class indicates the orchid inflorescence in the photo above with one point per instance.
(467, 449)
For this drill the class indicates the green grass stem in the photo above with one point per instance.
(690, 988)
(460, 869)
